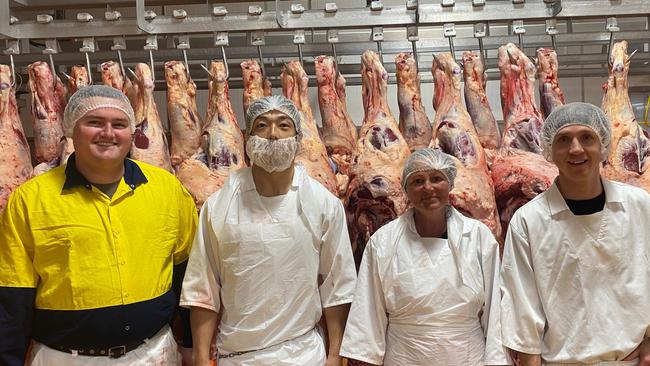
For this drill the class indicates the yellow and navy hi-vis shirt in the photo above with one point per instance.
(84, 252)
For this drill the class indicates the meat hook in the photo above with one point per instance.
(210, 73)
(415, 55)
(90, 75)
(119, 59)
(13, 70)
(53, 70)
(630, 56)
(336, 59)
(225, 61)
(512, 58)
(153, 74)
(259, 54)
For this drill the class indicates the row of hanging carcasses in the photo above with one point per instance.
(497, 171)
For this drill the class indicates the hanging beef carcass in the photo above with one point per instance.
(149, 141)
(522, 120)
(113, 76)
(78, 79)
(454, 133)
(16, 162)
(256, 85)
(222, 149)
(519, 171)
(629, 154)
(339, 132)
(477, 102)
(550, 94)
(48, 102)
(184, 121)
(375, 195)
(413, 121)
(312, 153)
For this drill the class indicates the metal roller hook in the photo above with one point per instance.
(225, 62)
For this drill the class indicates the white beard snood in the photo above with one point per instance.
(272, 155)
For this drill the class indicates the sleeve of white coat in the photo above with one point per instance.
(201, 285)
(336, 268)
(365, 332)
(495, 353)
(522, 316)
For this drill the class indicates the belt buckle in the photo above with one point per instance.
(117, 351)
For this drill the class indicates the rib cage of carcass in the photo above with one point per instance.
(454, 134)
(375, 196)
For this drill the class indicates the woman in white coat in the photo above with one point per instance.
(427, 290)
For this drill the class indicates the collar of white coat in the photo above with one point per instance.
(557, 204)
(456, 229)
(455, 224)
(242, 181)
(247, 183)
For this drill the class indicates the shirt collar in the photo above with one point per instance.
(248, 184)
(133, 175)
(557, 203)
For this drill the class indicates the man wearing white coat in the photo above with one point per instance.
(271, 254)
(428, 284)
(576, 263)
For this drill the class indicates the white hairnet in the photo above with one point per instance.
(577, 113)
(274, 102)
(92, 97)
(429, 159)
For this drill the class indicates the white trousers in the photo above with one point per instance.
(160, 350)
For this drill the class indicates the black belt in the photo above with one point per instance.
(112, 352)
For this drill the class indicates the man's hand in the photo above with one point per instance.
(527, 359)
(334, 360)
(642, 352)
(186, 355)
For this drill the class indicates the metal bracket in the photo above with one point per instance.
(221, 39)
(151, 44)
(119, 44)
(219, 11)
(447, 3)
(299, 36)
(449, 30)
(518, 27)
(376, 5)
(551, 27)
(551, 30)
(183, 42)
(331, 8)
(612, 25)
(257, 38)
(412, 33)
(179, 14)
(44, 19)
(518, 1)
(332, 36)
(51, 47)
(377, 34)
(478, 2)
(411, 4)
(480, 30)
(13, 47)
(255, 10)
(297, 9)
(84, 17)
(112, 15)
(88, 45)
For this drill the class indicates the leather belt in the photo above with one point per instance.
(112, 352)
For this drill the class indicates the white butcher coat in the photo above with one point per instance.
(426, 301)
(576, 289)
(266, 268)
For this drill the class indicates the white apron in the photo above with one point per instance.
(267, 267)
(460, 342)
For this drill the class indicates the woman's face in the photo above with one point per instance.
(428, 191)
